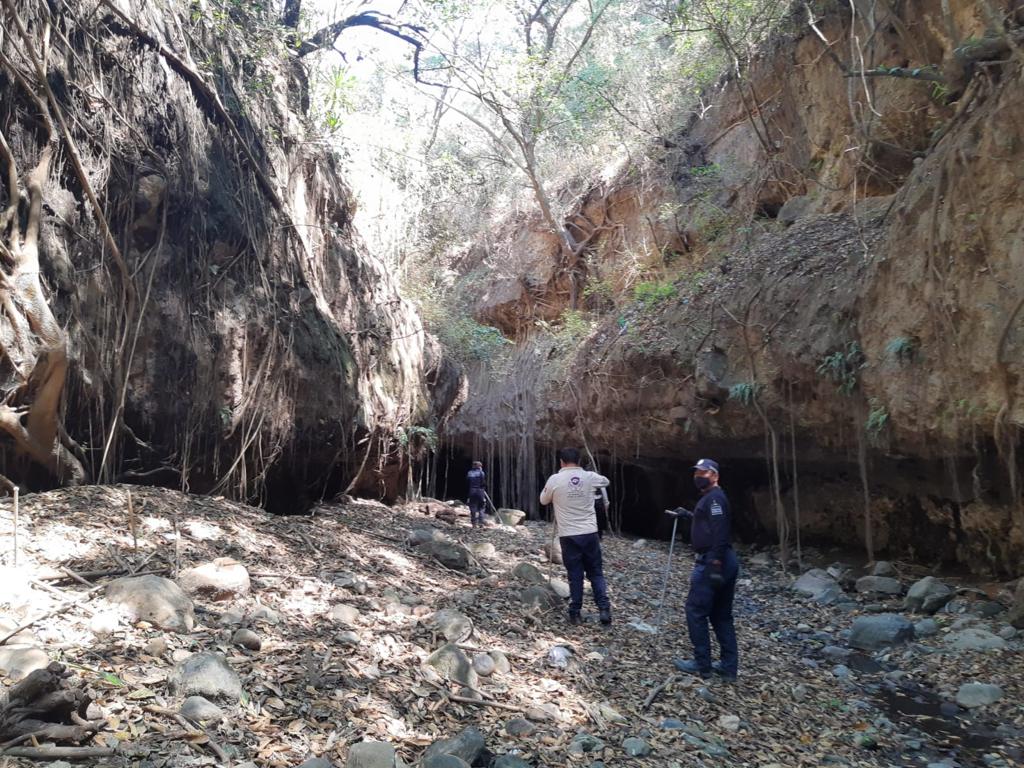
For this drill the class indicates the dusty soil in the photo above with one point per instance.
(308, 694)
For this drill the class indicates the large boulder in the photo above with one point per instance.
(511, 517)
(467, 745)
(154, 599)
(819, 586)
(456, 627)
(973, 695)
(869, 633)
(371, 754)
(879, 585)
(537, 597)
(528, 573)
(449, 554)
(451, 662)
(222, 579)
(205, 674)
(927, 595)
(975, 639)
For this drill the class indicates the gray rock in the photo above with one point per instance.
(247, 639)
(926, 628)
(988, 608)
(584, 743)
(841, 671)
(879, 585)
(509, 761)
(348, 638)
(156, 646)
(799, 692)
(371, 754)
(540, 598)
(1007, 632)
(1015, 618)
(560, 588)
(975, 639)
(448, 554)
(154, 599)
(483, 664)
(511, 517)
(467, 745)
(519, 727)
(635, 747)
(973, 695)
(559, 656)
(346, 615)
(455, 627)
(671, 724)
(316, 762)
(819, 586)
(927, 595)
(528, 573)
(17, 662)
(201, 710)
(205, 674)
(869, 633)
(483, 549)
(443, 761)
(351, 582)
(835, 652)
(729, 722)
(883, 568)
(501, 662)
(222, 579)
(543, 713)
(794, 209)
(450, 661)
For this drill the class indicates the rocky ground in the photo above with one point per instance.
(373, 637)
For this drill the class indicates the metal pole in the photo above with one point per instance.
(668, 571)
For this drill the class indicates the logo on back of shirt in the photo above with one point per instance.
(716, 508)
(575, 480)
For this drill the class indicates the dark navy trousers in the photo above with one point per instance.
(707, 603)
(582, 555)
(477, 505)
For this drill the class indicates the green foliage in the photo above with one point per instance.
(744, 392)
(599, 289)
(470, 341)
(417, 440)
(843, 367)
(574, 326)
(706, 171)
(878, 418)
(902, 349)
(652, 293)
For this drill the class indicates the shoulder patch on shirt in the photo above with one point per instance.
(716, 508)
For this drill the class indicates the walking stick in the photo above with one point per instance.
(668, 564)
(490, 502)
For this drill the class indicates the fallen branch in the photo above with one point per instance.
(50, 753)
(654, 693)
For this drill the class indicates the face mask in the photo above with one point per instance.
(702, 483)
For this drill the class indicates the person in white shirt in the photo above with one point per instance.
(571, 491)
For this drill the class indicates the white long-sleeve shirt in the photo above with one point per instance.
(571, 491)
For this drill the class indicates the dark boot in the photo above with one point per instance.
(606, 616)
(692, 667)
(574, 618)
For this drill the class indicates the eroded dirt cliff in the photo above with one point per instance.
(232, 334)
(829, 264)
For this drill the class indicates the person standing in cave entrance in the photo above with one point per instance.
(571, 492)
(477, 494)
(713, 581)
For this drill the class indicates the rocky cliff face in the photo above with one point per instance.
(239, 339)
(842, 271)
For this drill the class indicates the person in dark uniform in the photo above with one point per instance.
(713, 581)
(477, 494)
